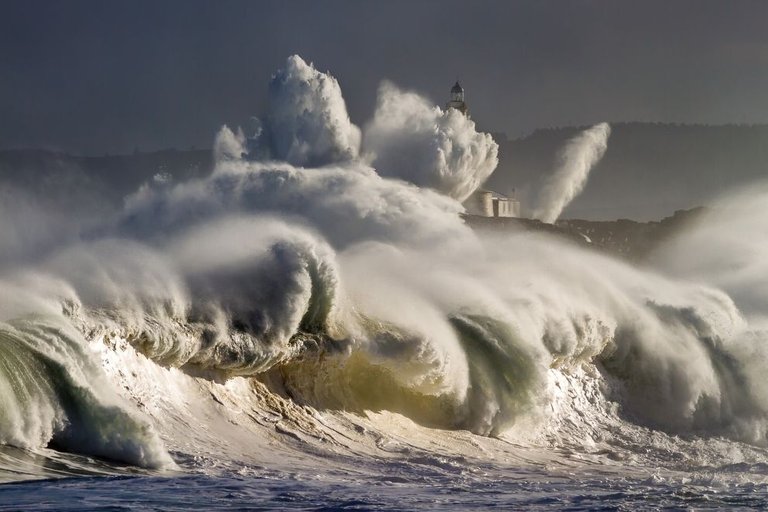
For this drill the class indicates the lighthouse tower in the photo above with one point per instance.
(457, 99)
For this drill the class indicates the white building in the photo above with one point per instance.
(487, 203)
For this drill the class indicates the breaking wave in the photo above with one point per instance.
(309, 273)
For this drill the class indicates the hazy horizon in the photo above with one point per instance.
(509, 138)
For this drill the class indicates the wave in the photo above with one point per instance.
(269, 291)
(52, 395)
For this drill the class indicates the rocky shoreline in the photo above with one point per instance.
(624, 238)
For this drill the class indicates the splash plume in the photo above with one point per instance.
(245, 309)
(415, 141)
(575, 161)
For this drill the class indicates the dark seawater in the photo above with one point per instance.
(410, 483)
(297, 492)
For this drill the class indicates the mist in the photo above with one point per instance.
(410, 139)
(575, 160)
(335, 268)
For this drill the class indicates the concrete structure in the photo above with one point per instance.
(457, 99)
(487, 203)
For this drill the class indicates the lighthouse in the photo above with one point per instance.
(457, 99)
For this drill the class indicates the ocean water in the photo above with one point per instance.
(313, 326)
(428, 482)
(237, 445)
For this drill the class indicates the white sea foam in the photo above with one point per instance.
(287, 295)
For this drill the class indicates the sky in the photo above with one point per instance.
(94, 77)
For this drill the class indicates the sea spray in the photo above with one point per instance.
(329, 285)
(53, 393)
(307, 120)
(725, 245)
(413, 140)
(575, 160)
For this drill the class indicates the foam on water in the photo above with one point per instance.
(323, 324)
